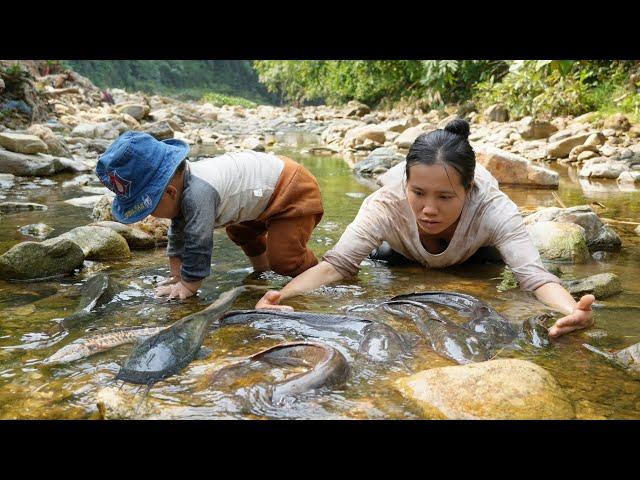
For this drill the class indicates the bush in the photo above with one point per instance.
(219, 99)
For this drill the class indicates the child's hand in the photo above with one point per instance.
(178, 290)
(270, 300)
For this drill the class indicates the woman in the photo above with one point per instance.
(445, 211)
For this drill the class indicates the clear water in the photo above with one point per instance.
(29, 331)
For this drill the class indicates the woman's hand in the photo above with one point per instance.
(270, 300)
(581, 317)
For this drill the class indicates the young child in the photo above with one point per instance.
(269, 205)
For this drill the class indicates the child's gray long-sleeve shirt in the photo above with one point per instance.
(219, 191)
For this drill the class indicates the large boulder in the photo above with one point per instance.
(136, 110)
(532, 129)
(21, 143)
(599, 236)
(381, 159)
(496, 113)
(359, 135)
(160, 130)
(407, 137)
(618, 122)
(39, 164)
(629, 178)
(506, 389)
(136, 237)
(509, 168)
(562, 148)
(559, 242)
(601, 167)
(99, 243)
(602, 285)
(37, 260)
(55, 146)
(109, 130)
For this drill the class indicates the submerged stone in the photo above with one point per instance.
(36, 260)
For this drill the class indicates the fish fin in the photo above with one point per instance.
(204, 352)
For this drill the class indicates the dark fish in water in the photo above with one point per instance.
(535, 331)
(382, 343)
(478, 339)
(97, 291)
(168, 352)
(448, 339)
(93, 344)
(378, 341)
(327, 368)
(628, 358)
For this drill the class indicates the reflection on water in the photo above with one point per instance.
(30, 315)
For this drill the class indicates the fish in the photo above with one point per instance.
(166, 353)
(328, 368)
(377, 341)
(627, 359)
(97, 291)
(87, 346)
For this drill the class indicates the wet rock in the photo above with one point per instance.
(102, 209)
(509, 168)
(629, 178)
(160, 130)
(55, 146)
(406, 138)
(21, 143)
(84, 179)
(595, 140)
(12, 207)
(531, 129)
(358, 135)
(36, 260)
(618, 122)
(39, 164)
(99, 243)
(85, 202)
(135, 237)
(598, 235)
(137, 111)
(385, 157)
(559, 242)
(110, 130)
(602, 285)
(356, 109)
(6, 180)
(496, 113)
(508, 389)
(580, 149)
(562, 148)
(36, 230)
(602, 168)
(252, 143)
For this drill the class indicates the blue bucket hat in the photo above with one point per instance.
(138, 168)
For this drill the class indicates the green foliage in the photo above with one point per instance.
(192, 78)
(219, 100)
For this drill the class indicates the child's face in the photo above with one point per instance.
(169, 206)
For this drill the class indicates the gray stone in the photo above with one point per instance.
(562, 148)
(496, 113)
(596, 168)
(137, 111)
(36, 230)
(531, 129)
(85, 202)
(12, 207)
(160, 130)
(38, 260)
(55, 146)
(598, 235)
(21, 143)
(99, 243)
(135, 237)
(602, 285)
(406, 138)
(509, 168)
(38, 165)
(385, 157)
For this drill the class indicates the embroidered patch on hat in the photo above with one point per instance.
(118, 185)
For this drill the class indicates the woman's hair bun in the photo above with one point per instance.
(459, 127)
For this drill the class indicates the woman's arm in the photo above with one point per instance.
(315, 277)
(578, 314)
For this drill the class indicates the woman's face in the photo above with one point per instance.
(436, 196)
